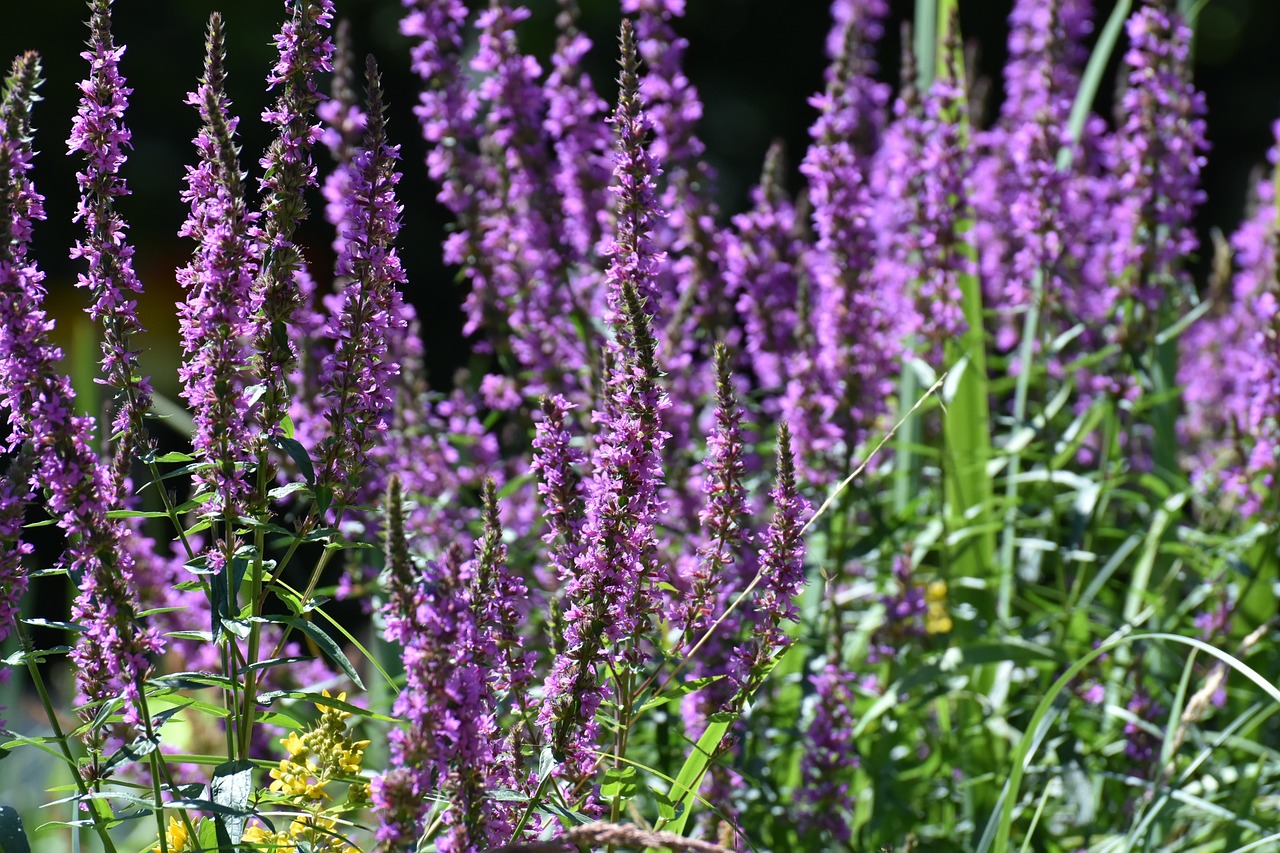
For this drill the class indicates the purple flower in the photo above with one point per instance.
(303, 51)
(761, 274)
(725, 514)
(451, 736)
(99, 134)
(781, 577)
(15, 493)
(358, 376)
(610, 593)
(1158, 154)
(830, 755)
(218, 317)
(918, 179)
(575, 128)
(841, 382)
(112, 656)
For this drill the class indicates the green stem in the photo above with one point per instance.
(59, 736)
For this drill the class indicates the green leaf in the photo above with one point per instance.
(299, 455)
(231, 787)
(327, 701)
(174, 457)
(680, 797)
(13, 838)
(619, 783)
(326, 644)
(136, 751)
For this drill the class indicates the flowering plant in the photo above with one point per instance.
(795, 529)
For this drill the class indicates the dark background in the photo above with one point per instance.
(755, 63)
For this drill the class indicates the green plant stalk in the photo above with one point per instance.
(33, 670)
(927, 43)
(1026, 349)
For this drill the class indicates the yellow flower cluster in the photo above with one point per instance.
(319, 755)
(325, 753)
(317, 833)
(937, 620)
(177, 839)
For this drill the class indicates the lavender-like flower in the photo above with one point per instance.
(15, 493)
(919, 181)
(451, 737)
(839, 388)
(1230, 366)
(725, 513)
(304, 51)
(218, 316)
(1158, 155)
(761, 266)
(100, 135)
(829, 755)
(781, 577)
(358, 377)
(575, 128)
(558, 465)
(519, 281)
(112, 654)
(610, 594)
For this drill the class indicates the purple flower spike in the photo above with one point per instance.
(781, 576)
(100, 135)
(839, 388)
(610, 594)
(830, 756)
(218, 317)
(725, 512)
(15, 492)
(1158, 156)
(358, 378)
(304, 51)
(112, 654)
(449, 743)
(919, 178)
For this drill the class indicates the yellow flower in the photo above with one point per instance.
(937, 620)
(277, 841)
(297, 780)
(176, 837)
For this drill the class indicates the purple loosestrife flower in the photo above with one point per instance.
(762, 261)
(580, 138)
(781, 577)
(723, 564)
(519, 278)
(15, 493)
(1231, 368)
(112, 654)
(358, 377)
(447, 108)
(829, 756)
(451, 738)
(304, 51)
(217, 320)
(1024, 203)
(558, 465)
(499, 600)
(1157, 157)
(610, 594)
(725, 513)
(100, 135)
(840, 388)
(918, 179)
